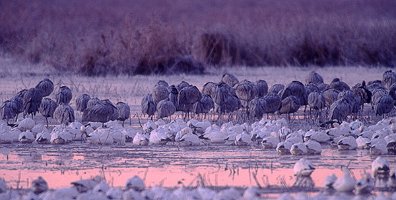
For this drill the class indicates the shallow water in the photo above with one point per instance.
(171, 166)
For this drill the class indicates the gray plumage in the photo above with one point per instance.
(160, 93)
(182, 85)
(376, 84)
(290, 104)
(231, 104)
(377, 94)
(311, 88)
(18, 101)
(207, 88)
(323, 86)
(163, 83)
(330, 95)
(103, 112)
(165, 108)
(82, 101)
(314, 78)
(275, 89)
(296, 89)
(223, 95)
(174, 95)
(64, 95)
(257, 108)
(47, 108)
(392, 91)
(245, 91)
(229, 79)
(384, 105)
(339, 85)
(353, 100)
(272, 103)
(8, 110)
(204, 105)
(92, 101)
(148, 106)
(316, 101)
(64, 114)
(261, 88)
(46, 86)
(124, 111)
(187, 97)
(361, 91)
(340, 110)
(389, 78)
(31, 101)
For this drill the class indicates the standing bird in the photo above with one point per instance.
(296, 89)
(82, 101)
(339, 85)
(272, 103)
(64, 114)
(148, 105)
(340, 110)
(392, 91)
(31, 101)
(229, 79)
(316, 101)
(182, 85)
(173, 95)
(314, 78)
(163, 83)
(389, 78)
(165, 108)
(330, 96)
(276, 89)
(361, 91)
(102, 111)
(208, 88)
(204, 105)
(289, 105)
(245, 91)
(64, 95)
(91, 102)
(18, 100)
(187, 97)
(8, 110)
(257, 107)
(124, 111)
(47, 108)
(46, 86)
(160, 93)
(384, 105)
(261, 88)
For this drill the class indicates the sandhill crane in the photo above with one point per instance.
(124, 111)
(64, 114)
(47, 108)
(31, 101)
(148, 106)
(64, 95)
(229, 79)
(165, 108)
(314, 78)
(82, 101)
(46, 86)
(261, 88)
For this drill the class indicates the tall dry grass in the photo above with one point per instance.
(99, 37)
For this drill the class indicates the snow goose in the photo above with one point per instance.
(141, 139)
(270, 142)
(298, 149)
(364, 185)
(378, 147)
(319, 136)
(102, 187)
(380, 167)
(330, 180)
(252, 193)
(85, 185)
(185, 137)
(303, 167)
(135, 183)
(230, 193)
(363, 142)
(39, 185)
(26, 137)
(243, 139)
(313, 147)
(347, 143)
(114, 193)
(345, 183)
(26, 124)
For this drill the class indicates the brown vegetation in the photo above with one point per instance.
(99, 37)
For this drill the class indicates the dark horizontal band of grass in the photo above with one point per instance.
(99, 37)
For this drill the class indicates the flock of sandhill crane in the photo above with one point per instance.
(34, 100)
(254, 99)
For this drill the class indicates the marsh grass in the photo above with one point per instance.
(97, 38)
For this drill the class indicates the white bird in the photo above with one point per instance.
(347, 143)
(215, 135)
(38, 128)
(303, 167)
(161, 135)
(364, 185)
(313, 147)
(91, 195)
(345, 183)
(102, 187)
(270, 142)
(185, 137)
(391, 143)
(132, 195)
(378, 147)
(252, 193)
(114, 193)
(39, 185)
(284, 147)
(62, 193)
(26, 124)
(243, 139)
(135, 183)
(363, 142)
(380, 167)
(26, 137)
(86, 184)
(330, 180)
(149, 126)
(392, 180)
(298, 149)
(230, 193)
(141, 139)
(61, 135)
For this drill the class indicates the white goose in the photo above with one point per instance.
(363, 142)
(298, 149)
(330, 180)
(347, 143)
(365, 185)
(135, 183)
(313, 147)
(26, 137)
(141, 139)
(243, 139)
(380, 167)
(303, 167)
(270, 142)
(345, 183)
(378, 147)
